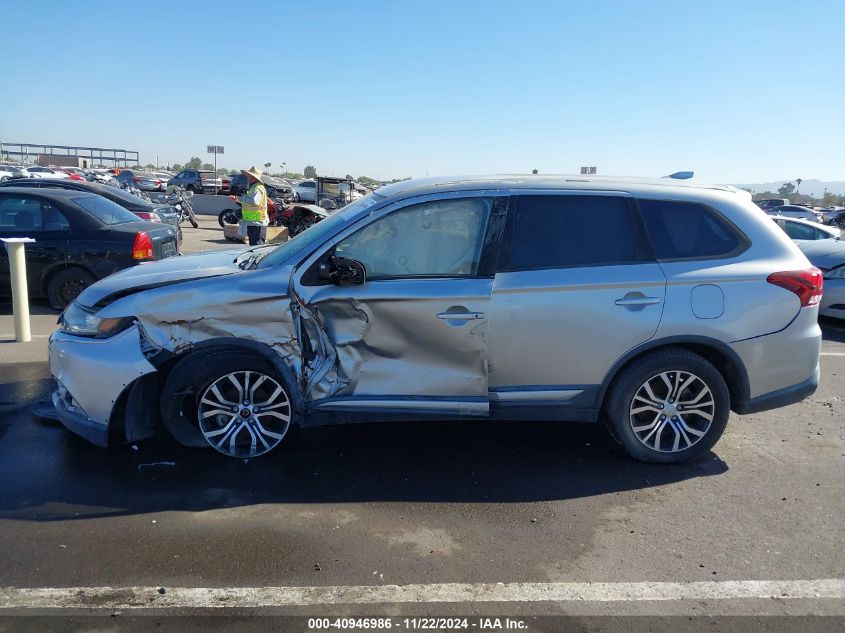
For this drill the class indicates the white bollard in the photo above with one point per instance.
(20, 294)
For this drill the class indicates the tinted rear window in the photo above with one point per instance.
(687, 230)
(104, 210)
(561, 231)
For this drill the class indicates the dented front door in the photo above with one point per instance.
(413, 337)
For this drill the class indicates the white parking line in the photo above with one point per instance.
(831, 353)
(250, 597)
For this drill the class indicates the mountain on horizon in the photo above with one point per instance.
(810, 187)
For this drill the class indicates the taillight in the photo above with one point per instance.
(807, 284)
(136, 179)
(143, 246)
(149, 217)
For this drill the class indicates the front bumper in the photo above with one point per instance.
(92, 374)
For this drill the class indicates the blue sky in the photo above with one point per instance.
(737, 91)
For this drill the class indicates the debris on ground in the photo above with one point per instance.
(154, 465)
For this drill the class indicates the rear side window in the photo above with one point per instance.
(688, 230)
(563, 231)
(104, 210)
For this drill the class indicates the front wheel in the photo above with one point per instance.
(229, 400)
(669, 407)
(228, 216)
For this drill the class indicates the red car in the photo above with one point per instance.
(73, 174)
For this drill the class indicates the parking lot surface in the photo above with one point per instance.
(427, 504)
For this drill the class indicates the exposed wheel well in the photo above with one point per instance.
(722, 359)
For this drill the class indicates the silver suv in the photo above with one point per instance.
(655, 306)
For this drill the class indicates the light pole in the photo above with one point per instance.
(284, 169)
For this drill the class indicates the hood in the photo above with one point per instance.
(164, 272)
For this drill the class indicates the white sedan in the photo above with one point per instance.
(43, 172)
(799, 229)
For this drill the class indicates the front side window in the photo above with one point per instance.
(442, 238)
(688, 230)
(22, 214)
(559, 231)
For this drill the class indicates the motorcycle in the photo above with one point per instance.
(234, 215)
(180, 199)
(296, 218)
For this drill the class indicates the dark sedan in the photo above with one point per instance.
(79, 238)
(141, 180)
(143, 209)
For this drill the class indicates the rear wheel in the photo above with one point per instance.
(669, 407)
(66, 285)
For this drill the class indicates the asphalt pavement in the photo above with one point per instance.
(475, 517)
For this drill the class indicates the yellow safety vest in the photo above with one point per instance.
(255, 212)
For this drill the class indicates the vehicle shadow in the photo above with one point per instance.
(62, 477)
(832, 329)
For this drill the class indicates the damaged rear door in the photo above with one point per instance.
(412, 337)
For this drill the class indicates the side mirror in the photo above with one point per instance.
(344, 272)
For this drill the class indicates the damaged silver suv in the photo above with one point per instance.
(655, 306)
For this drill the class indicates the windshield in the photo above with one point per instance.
(104, 209)
(319, 232)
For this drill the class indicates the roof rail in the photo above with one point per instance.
(681, 175)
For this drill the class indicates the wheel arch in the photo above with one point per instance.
(718, 353)
(58, 267)
(166, 364)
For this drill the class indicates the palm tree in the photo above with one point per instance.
(798, 182)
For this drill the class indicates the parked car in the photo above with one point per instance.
(79, 238)
(829, 257)
(654, 307)
(275, 188)
(70, 172)
(43, 172)
(306, 190)
(141, 180)
(828, 215)
(148, 211)
(197, 180)
(769, 204)
(799, 229)
(794, 211)
(10, 171)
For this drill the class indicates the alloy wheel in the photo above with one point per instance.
(672, 411)
(244, 414)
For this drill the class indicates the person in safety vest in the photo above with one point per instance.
(254, 208)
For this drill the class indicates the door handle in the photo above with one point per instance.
(640, 300)
(460, 316)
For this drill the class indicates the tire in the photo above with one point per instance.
(192, 218)
(679, 435)
(66, 285)
(228, 216)
(188, 392)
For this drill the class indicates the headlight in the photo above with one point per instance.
(835, 273)
(81, 321)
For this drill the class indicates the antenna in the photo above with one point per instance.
(681, 175)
